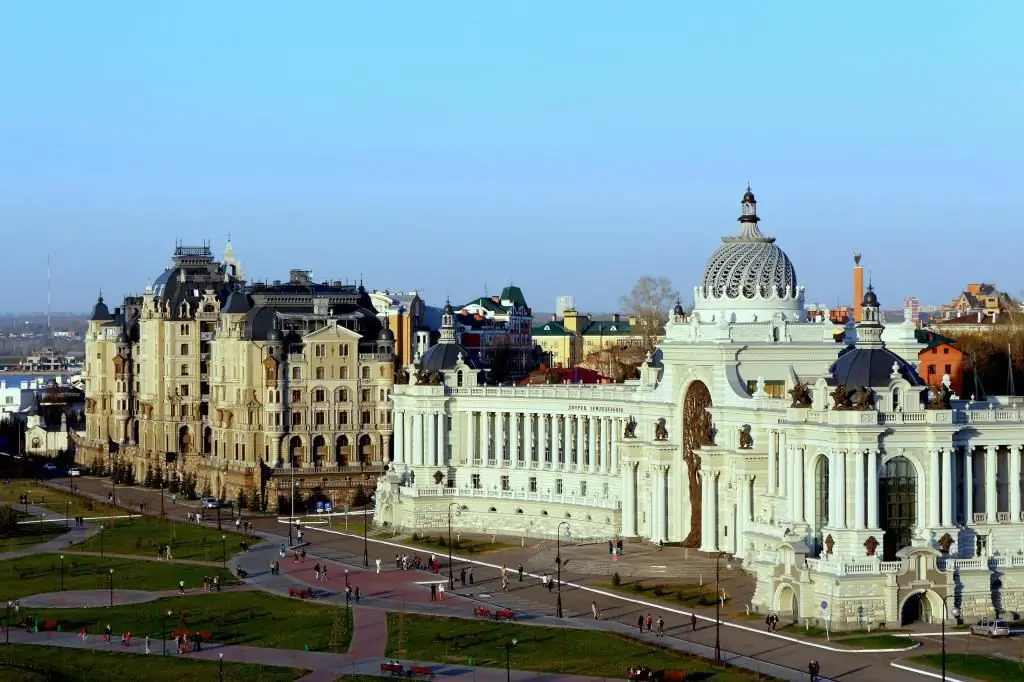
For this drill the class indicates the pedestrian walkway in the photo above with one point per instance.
(147, 557)
(73, 536)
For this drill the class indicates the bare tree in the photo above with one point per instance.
(649, 302)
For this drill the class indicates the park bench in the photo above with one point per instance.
(392, 668)
(504, 614)
(481, 612)
(301, 592)
(45, 625)
(420, 671)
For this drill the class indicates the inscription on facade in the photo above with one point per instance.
(597, 408)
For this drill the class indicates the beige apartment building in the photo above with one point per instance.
(261, 387)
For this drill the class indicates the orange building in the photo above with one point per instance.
(939, 358)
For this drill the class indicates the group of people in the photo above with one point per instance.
(320, 571)
(404, 562)
(211, 584)
(649, 622)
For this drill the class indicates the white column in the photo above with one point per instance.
(948, 487)
(566, 441)
(859, 495)
(934, 488)
(581, 443)
(799, 464)
(417, 439)
(607, 428)
(1015, 483)
(654, 526)
(485, 436)
(471, 440)
(629, 500)
(715, 510)
(592, 443)
(399, 437)
(968, 484)
(615, 444)
(431, 454)
(499, 437)
(773, 460)
(782, 451)
(991, 492)
(528, 452)
(543, 439)
(407, 440)
(872, 489)
(513, 437)
(705, 516)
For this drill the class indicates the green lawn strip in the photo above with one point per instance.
(438, 544)
(539, 649)
(250, 618)
(145, 535)
(56, 501)
(28, 663)
(877, 642)
(971, 665)
(31, 534)
(678, 595)
(814, 632)
(40, 573)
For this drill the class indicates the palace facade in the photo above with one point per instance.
(279, 389)
(853, 492)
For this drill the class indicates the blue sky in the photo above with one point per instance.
(569, 147)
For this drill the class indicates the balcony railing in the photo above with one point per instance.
(207, 336)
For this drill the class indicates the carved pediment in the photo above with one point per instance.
(253, 402)
(118, 367)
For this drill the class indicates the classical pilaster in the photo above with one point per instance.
(948, 487)
(1015, 451)
(431, 437)
(417, 439)
(485, 437)
(581, 442)
(859, 495)
(442, 439)
(706, 517)
(616, 433)
(471, 440)
(654, 527)
(782, 451)
(566, 459)
(799, 464)
(968, 484)
(716, 511)
(872, 489)
(399, 420)
(528, 452)
(513, 437)
(500, 448)
(543, 439)
(628, 499)
(592, 427)
(991, 491)
(607, 432)
(773, 462)
(934, 488)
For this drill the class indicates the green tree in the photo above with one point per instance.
(8, 522)
(360, 498)
(243, 499)
(148, 480)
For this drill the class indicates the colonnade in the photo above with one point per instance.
(422, 439)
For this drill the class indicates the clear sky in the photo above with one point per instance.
(566, 146)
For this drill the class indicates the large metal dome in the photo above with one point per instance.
(749, 265)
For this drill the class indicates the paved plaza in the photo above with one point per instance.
(744, 641)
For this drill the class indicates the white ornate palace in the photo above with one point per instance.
(855, 494)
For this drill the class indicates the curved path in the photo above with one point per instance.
(74, 599)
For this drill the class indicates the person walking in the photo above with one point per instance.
(520, 573)
(377, 561)
(661, 626)
(693, 621)
(433, 591)
(107, 632)
(462, 577)
(181, 588)
(640, 623)
(147, 645)
(813, 670)
(593, 609)
(650, 622)
(470, 575)
(316, 570)
(357, 594)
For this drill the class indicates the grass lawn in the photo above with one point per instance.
(439, 544)
(540, 649)
(974, 666)
(251, 618)
(46, 663)
(54, 500)
(877, 642)
(40, 573)
(145, 535)
(681, 596)
(30, 534)
(813, 632)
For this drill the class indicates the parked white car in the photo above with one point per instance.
(991, 628)
(74, 471)
(208, 502)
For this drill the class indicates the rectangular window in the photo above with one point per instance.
(319, 395)
(184, 370)
(320, 418)
(366, 416)
(184, 349)
(296, 396)
(558, 486)
(342, 418)
(297, 373)
(365, 395)
(949, 369)
(320, 373)
(474, 481)
(344, 350)
(533, 484)
(583, 488)
(504, 483)
(296, 419)
(183, 390)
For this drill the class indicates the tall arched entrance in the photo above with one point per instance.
(365, 449)
(897, 497)
(697, 432)
(341, 453)
(785, 601)
(207, 440)
(821, 502)
(319, 451)
(295, 451)
(184, 440)
(921, 607)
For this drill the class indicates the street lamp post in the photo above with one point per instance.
(61, 572)
(221, 657)
(451, 575)
(162, 515)
(218, 516)
(111, 587)
(163, 636)
(67, 514)
(224, 551)
(718, 605)
(946, 612)
(7, 622)
(558, 562)
(508, 658)
(101, 540)
(366, 548)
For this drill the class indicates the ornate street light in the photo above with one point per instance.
(718, 604)
(558, 561)
(451, 575)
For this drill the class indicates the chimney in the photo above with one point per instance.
(615, 317)
(858, 287)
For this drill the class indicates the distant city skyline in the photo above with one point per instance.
(569, 148)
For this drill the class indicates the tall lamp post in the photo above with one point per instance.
(162, 515)
(366, 548)
(101, 540)
(224, 551)
(61, 572)
(111, 587)
(218, 516)
(451, 576)
(946, 612)
(508, 658)
(67, 514)
(163, 637)
(718, 605)
(558, 562)
(7, 621)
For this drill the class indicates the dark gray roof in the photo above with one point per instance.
(444, 356)
(870, 367)
(386, 335)
(100, 312)
(238, 302)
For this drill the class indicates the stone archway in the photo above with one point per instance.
(184, 440)
(697, 432)
(365, 453)
(341, 451)
(295, 452)
(923, 606)
(319, 450)
(785, 601)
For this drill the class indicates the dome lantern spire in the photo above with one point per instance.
(447, 324)
(748, 217)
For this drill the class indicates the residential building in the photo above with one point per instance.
(267, 389)
(55, 413)
(16, 397)
(841, 479)
(940, 361)
(566, 342)
(975, 298)
(497, 329)
(405, 315)
(980, 322)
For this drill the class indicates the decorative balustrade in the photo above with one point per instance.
(841, 568)
(976, 416)
(980, 517)
(1003, 517)
(553, 498)
(952, 565)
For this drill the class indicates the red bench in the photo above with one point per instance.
(301, 592)
(481, 612)
(392, 668)
(45, 625)
(421, 671)
(205, 636)
(504, 614)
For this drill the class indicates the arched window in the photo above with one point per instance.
(898, 500)
(366, 372)
(458, 378)
(344, 372)
(821, 500)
